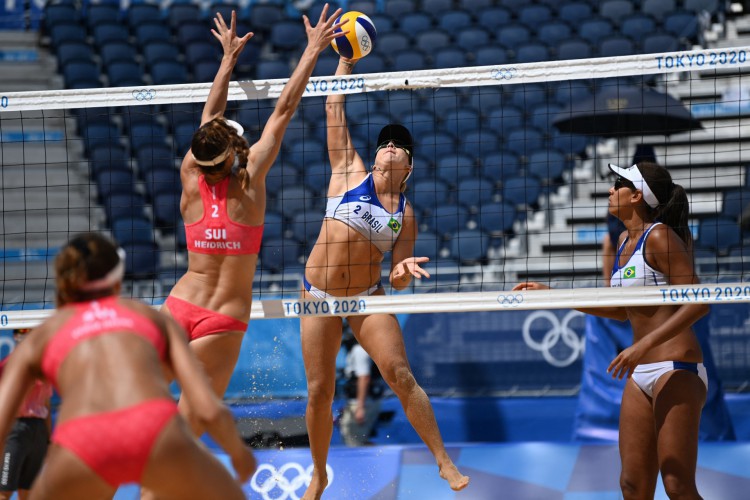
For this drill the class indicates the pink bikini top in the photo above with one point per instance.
(94, 318)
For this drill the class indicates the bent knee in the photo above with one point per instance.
(400, 379)
(635, 487)
(678, 487)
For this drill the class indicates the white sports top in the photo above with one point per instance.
(636, 271)
(360, 209)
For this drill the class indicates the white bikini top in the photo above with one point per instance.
(636, 271)
(360, 209)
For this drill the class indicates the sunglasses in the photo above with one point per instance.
(621, 182)
(398, 144)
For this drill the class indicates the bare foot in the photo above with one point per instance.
(317, 487)
(456, 480)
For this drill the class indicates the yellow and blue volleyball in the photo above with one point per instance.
(360, 39)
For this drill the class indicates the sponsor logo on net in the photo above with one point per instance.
(287, 482)
(557, 331)
(144, 94)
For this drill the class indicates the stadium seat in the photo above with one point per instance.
(453, 168)
(718, 233)
(432, 40)
(502, 119)
(710, 6)
(117, 52)
(572, 145)
(458, 120)
(291, 199)
(471, 38)
(616, 46)
(594, 30)
(60, 13)
(409, 60)
(98, 134)
(438, 144)
(449, 57)
(182, 135)
(282, 174)
(532, 52)
(139, 115)
(317, 7)
(153, 32)
(181, 13)
(125, 74)
(154, 156)
(512, 35)
(637, 26)
(373, 63)
(522, 192)
(513, 5)
(427, 194)
(496, 218)
(499, 165)
(486, 98)
(428, 244)
(734, 201)
(278, 254)
(225, 9)
(287, 36)
(140, 14)
(367, 7)
(574, 13)
(188, 32)
(156, 51)
(446, 220)
(273, 225)
(109, 182)
(69, 52)
(421, 122)
(542, 115)
(196, 52)
(452, 21)
(141, 260)
(162, 180)
(305, 227)
(477, 7)
(660, 42)
(97, 13)
(490, 55)
(205, 71)
(110, 32)
(492, 18)
(166, 210)
(479, 142)
(66, 32)
(302, 152)
(81, 74)
(473, 192)
(534, 15)
(565, 93)
(393, 42)
(168, 73)
(469, 246)
(682, 24)
(739, 260)
(146, 134)
(615, 10)
(326, 65)
(658, 8)
(574, 49)
(270, 70)
(120, 205)
(110, 156)
(399, 8)
(547, 165)
(551, 33)
(527, 95)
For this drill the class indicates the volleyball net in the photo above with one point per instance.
(510, 177)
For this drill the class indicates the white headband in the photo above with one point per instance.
(633, 174)
(215, 161)
(111, 278)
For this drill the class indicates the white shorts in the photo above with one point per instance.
(321, 294)
(646, 375)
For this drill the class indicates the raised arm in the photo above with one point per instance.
(263, 153)
(216, 103)
(404, 266)
(207, 408)
(341, 153)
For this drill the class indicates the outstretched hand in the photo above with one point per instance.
(530, 285)
(230, 42)
(410, 267)
(320, 35)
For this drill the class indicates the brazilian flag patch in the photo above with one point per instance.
(394, 225)
(629, 272)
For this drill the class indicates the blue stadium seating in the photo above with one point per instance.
(141, 260)
(117, 52)
(156, 51)
(532, 52)
(522, 191)
(451, 21)
(168, 73)
(427, 194)
(55, 14)
(475, 191)
(282, 174)
(409, 60)
(446, 220)
(594, 30)
(193, 31)
(547, 165)
(683, 25)
(180, 13)
(120, 205)
(660, 42)
(393, 42)
(111, 156)
(326, 65)
(305, 227)
(616, 45)
(469, 246)
(479, 142)
(74, 52)
(496, 218)
(499, 165)
(734, 202)
(398, 8)
(196, 52)
(512, 35)
(273, 225)
(421, 122)
(271, 70)
(162, 180)
(205, 71)
(366, 7)
(490, 55)
(527, 95)
(305, 151)
(143, 134)
(67, 32)
(455, 167)
(477, 7)
(574, 49)
(534, 15)
(710, 6)
(718, 234)
(575, 12)
(553, 32)
(153, 32)
(450, 57)
(471, 38)
(143, 13)
(97, 13)
(542, 115)
(428, 244)
(110, 32)
(291, 199)
(373, 63)
(458, 120)
(279, 255)
(615, 10)
(98, 134)
(432, 40)
(638, 26)
(166, 210)
(493, 18)
(658, 8)
(155, 156)
(113, 181)
(123, 73)
(183, 135)
(287, 36)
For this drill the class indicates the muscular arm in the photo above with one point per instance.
(263, 153)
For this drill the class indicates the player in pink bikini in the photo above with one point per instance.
(223, 206)
(107, 357)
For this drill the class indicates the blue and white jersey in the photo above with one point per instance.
(360, 209)
(636, 272)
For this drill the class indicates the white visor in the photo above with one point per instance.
(235, 126)
(113, 277)
(633, 174)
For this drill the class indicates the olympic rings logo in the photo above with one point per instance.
(558, 330)
(364, 42)
(510, 300)
(267, 479)
(144, 94)
(503, 73)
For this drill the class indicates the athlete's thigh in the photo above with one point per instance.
(218, 354)
(637, 435)
(65, 476)
(380, 335)
(678, 400)
(180, 468)
(321, 342)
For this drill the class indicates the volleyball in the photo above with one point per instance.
(360, 39)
